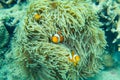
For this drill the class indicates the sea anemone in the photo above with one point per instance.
(41, 58)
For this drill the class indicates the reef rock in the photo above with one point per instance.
(4, 35)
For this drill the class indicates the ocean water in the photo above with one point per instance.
(13, 14)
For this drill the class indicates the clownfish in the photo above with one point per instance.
(37, 16)
(74, 58)
(57, 38)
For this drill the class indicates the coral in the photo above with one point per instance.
(41, 59)
(108, 60)
(117, 39)
(109, 13)
(10, 3)
(9, 19)
(4, 35)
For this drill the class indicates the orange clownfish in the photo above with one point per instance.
(58, 37)
(74, 58)
(37, 16)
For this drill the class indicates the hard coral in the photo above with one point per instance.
(4, 35)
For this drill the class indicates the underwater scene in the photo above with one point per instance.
(59, 39)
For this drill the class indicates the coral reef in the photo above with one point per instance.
(40, 58)
(10, 3)
(4, 36)
(11, 17)
(117, 39)
(108, 60)
(9, 20)
(109, 13)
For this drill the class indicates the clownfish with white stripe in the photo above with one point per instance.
(74, 58)
(57, 38)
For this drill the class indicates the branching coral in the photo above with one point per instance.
(41, 58)
(109, 13)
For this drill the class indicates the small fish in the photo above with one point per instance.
(37, 16)
(74, 58)
(57, 38)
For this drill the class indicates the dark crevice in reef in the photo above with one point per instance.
(107, 26)
(9, 26)
(8, 4)
(110, 36)
(5, 5)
